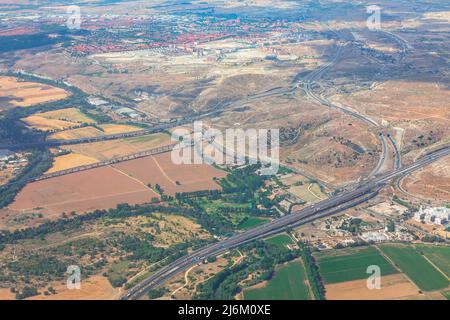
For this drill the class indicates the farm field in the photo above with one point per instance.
(308, 192)
(106, 187)
(438, 255)
(104, 150)
(416, 267)
(100, 188)
(44, 124)
(92, 288)
(160, 169)
(288, 283)
(90, 131)
(70, 160)
(446, 294)
(57, 119)
(251, 222)
(394, 286)
(15, 93)
(351, 264)
(280, 240)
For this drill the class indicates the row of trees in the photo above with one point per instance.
(39, 162)
(312, 271)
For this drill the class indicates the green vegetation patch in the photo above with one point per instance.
(251, 222)
(280, 240)
(351, 264)
(439, 255)
(415, 266)
(289, 283)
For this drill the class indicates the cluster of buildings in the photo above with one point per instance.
(11, 163)
(437, 215)
(122, 112)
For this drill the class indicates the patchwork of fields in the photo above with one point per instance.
(416, 267)
(405, 271)
(351, 264)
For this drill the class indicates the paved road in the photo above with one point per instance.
(397, 154)
(325, 207)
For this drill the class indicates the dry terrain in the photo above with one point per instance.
(15, 93)
(104, 150)
(98, 130)
(130, 182)
(70, 160)
(430, 183)
(394, 286)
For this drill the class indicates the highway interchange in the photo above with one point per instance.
(323, 208)
(365, 190)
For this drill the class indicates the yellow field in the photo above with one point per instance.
(103, 150)
(70, 160)
(43, 124)
(24, 93)
(89, 132)
(57, 119)
(67, 114)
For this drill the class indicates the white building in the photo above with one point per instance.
(438, 215)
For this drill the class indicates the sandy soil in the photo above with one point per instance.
(392, 287)
(93, 288)
(6, 294)
(100, 188)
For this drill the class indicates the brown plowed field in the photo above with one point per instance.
(100, 188)
(161, 170)
(105, 187)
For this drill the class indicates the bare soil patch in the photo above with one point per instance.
(392, 287)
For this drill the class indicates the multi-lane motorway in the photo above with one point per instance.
(325, 207)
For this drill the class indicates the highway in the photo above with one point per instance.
(320, 209)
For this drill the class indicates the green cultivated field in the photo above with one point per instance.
(281, 240)
(287, 284)
(416, 267)
(446, 294)
(439, 255)
(351, 264)
(251, 222)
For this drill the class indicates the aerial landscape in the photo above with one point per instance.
(245, 150)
